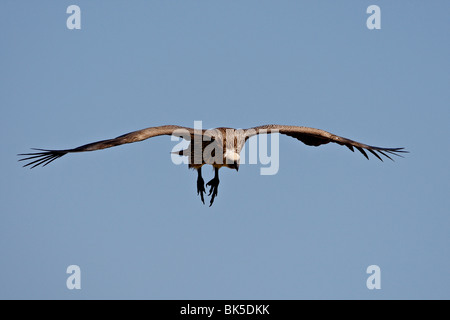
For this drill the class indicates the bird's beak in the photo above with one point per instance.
(236, 166)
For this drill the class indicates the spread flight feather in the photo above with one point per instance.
(309, 136)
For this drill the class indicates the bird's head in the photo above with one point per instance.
(232, 159)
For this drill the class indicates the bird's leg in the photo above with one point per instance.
(200, 185)
(214, 184)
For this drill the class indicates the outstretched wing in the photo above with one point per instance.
(317, 137)
(44, 157)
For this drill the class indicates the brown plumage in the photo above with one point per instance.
(218, 147)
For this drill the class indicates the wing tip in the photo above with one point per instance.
(387, 151)
(41, 158)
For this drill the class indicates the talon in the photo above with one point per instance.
(214, 187)
(213, 197)
(201, 186)
(201, 190)
(213, 184)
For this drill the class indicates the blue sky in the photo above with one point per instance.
(131, 219)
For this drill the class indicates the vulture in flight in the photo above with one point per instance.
(219, 147)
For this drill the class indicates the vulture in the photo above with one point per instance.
(218, 147)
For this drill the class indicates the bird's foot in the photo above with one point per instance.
(214, 186)
(201, 189)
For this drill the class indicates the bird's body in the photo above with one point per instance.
(220, 147)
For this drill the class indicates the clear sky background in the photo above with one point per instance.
(132, 220)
